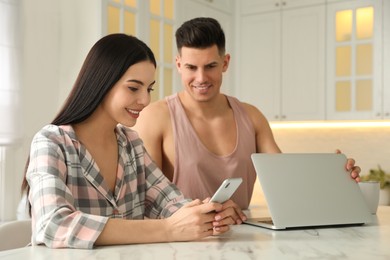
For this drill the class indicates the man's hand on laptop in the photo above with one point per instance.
(352, 168)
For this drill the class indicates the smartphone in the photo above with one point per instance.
(226, 190)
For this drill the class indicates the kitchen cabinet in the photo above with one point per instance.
(220, 5)
(282, 58)
(256, 6)
(355, 61)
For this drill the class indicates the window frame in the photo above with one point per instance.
(143, 18)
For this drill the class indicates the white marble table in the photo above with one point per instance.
(371, 241)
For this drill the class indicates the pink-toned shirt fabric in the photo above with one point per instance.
(198, 172)
(71, 202)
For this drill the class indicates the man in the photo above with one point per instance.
(199, 136)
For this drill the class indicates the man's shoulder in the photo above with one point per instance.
(156, 113)
(153, 121)
(253, 112)
(157, 107)
(249, 108)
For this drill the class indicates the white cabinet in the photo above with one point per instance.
(259, 6)
(220, 5)
(355, 60)
(221, 10)
(281, 67)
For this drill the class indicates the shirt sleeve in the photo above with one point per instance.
(162, 198)
(56, 222)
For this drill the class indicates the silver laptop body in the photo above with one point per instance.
(306, 190)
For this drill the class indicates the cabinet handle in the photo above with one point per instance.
(378, 114)
(387, 114)
(283, 3)
(210, 1)
(283, 117)
(276, 117)
(277, 4)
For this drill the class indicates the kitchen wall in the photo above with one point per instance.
(369, 146)
(56, 38)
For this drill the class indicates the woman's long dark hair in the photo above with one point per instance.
(104, 65)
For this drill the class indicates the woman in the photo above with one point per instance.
(90, 179)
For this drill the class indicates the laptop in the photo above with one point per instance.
(308, 190)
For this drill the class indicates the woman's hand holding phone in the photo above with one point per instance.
(231, 213)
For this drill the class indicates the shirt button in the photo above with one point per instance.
(116, 212)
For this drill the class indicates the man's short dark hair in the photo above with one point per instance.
(201, 33)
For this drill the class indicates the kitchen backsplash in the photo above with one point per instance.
(369, 146)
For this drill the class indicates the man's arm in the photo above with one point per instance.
(265, 141)
(150, 126)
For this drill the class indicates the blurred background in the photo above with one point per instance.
(315, 68)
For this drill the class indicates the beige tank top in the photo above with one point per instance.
(198, 172)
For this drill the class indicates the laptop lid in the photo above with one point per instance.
(305, 190)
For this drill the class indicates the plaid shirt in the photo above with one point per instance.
(70, 200)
